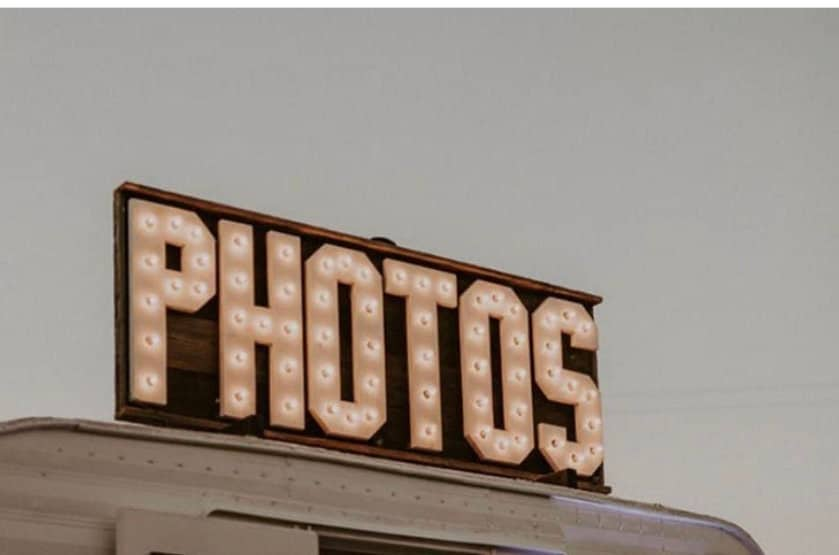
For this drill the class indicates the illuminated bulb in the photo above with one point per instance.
(594, 450)
(239, 396)
(151, 380)
(195, 233)
(520, 375)
(571, 385)
(290, 405)
(364, 274)
(399, 275)
(427, 356)
(428, 393)
(518, 340)
(370, 415)
(175, 285)
(514, 310)
(202, 260)
(327, 265)
(326, 372)
(483, 433)
(350, 417)
(497, 297)
(151, 340)
(176, 223)
(549, 320)
(480, 402)
(199, 288)
(520, 410)
(478, 330)
(549, 345)
(556, 443)
(264, 323)
(289, 366)
(240, 357)
(240, 279)
(424, 319)
(568, 315)
(372, 346)
(345, 262)
(286, 253)
(290, 328)
(333, 408)
(150, 261)
(370, 307)
(323, 297)
(239, 240)
(592, 424)
(501, 444)
(422, 283)
(429, 430)
(585, 327)
(445, 287)
(325, 335)
(239, 317)
(551, 373)
(372, 382)
(288, 289)
(591, 395)
(151, 301)
(149, 222)
(575, 458)
(519, 439)
(479, 365)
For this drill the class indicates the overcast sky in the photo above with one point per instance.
(681, 164)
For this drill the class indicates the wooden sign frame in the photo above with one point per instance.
(192, 362)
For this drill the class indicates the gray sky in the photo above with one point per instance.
(681, 164)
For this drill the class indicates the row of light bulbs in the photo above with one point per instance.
(242, 325)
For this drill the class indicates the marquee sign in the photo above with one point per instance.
(237, 322)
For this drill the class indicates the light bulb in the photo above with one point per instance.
(150, 261)
(239, 317)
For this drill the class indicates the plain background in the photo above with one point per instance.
(683, 164)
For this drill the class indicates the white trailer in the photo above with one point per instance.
(71, 487)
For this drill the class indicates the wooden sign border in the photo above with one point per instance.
(125, 410)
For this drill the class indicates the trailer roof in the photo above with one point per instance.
(574, 515)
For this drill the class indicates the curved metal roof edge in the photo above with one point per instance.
(258, 445)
